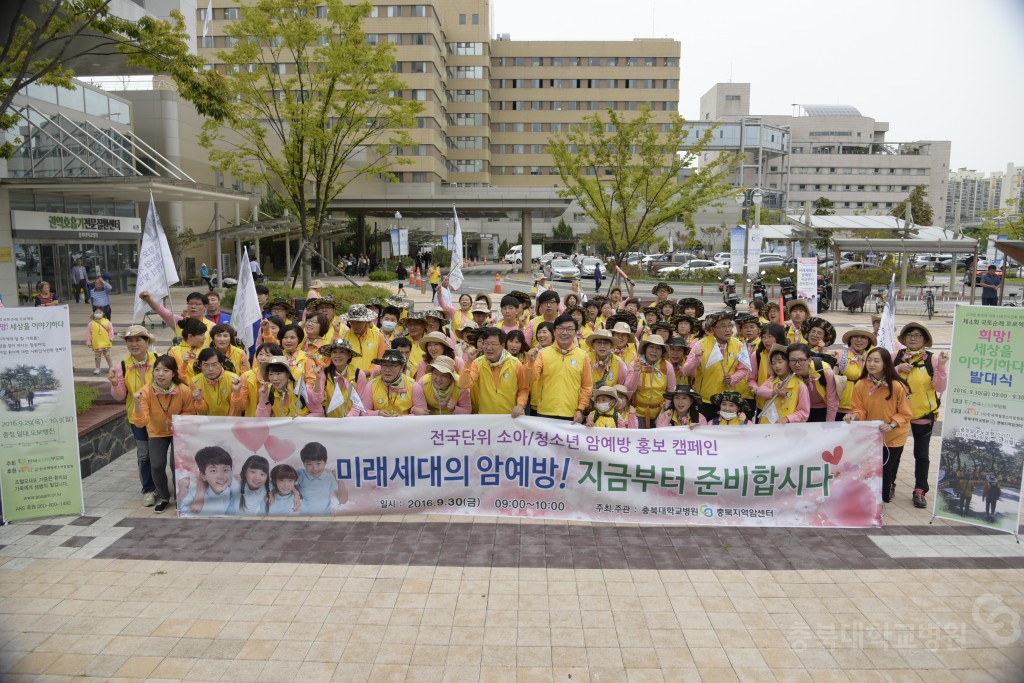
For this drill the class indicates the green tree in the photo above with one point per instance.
(44, 38)
(823, 206)
(562, 231)
(336, 113)
(503, 248)
(1007, 222)
(625, 174)
(920, 210)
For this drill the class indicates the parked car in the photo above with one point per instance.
(694, 266)
(588, 265)
(674, 258)
(563, 269)
(772, 260)
(854, 265)
(645, 261)
(722, 256)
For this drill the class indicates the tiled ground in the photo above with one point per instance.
(123, 594)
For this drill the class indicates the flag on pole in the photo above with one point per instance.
(455, 277)
(887, 328)
(206, 19)
(246, 313)
(156, 272)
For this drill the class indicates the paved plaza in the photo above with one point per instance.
(123, 594)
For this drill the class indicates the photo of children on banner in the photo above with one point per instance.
(208, 485)
(979, 482)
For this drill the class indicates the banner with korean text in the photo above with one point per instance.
(981, 458)
(765, 475)
(40, 474)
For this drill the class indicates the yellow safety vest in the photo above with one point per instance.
(495, 399)
(427, 383)
(217, 395)
(560, 383)
(711, 379)
(787, 403)
(392, 401)
(650, 395)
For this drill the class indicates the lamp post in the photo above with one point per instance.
(746, 199)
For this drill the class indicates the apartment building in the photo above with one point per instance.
(490, 105)
(976, 192)
(838, 153)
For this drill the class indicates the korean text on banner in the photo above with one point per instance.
(40, 475)
(156, 272)
(813, 475)
(807, 282)
(981, 458)
(754, 249)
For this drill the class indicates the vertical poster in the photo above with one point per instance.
(982, 451)
(40, 474)
(737, 235)
(807, 281)
(754, 250)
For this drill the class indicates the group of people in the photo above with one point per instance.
(607, 362)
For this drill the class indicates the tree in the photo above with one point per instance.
(823, 206)
(562, 231)
(1007, 222)
(44, 38)
(920, 210)
(625, 175)
(336, 113)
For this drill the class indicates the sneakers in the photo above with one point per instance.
(161, 506)
(149, 500)
(96, 371)
(919, 499)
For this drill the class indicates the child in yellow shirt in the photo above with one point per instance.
(99, 337)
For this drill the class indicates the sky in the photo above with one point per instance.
(934, 70)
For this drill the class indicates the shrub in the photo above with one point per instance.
(344, 296)
(85, 397)
(383, 276)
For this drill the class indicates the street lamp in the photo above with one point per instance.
(746, 199)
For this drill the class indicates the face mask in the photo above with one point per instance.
(388, 326)
(727, 416)
(603, 407)
(98, 315)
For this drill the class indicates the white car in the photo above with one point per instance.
(695, 266)
(563, 269)
(772, 260)
(723, 256)
(646, 260)
(588, 265)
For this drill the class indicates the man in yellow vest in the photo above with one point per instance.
(364, 337)
(497, 381)
(562, 372)
(390, 393)
(718, 362)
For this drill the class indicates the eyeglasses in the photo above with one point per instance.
(914, 335)
(566, 328)
(211, 366)
(490, 344)
(797, 361)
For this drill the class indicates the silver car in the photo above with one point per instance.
(563, 269)
(588, 265)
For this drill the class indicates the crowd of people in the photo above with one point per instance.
(610, 362)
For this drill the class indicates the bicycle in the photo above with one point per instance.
(880, 297)
(929, 301)
(1012, 303)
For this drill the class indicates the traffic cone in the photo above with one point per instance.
(497, 283)
(416, 277)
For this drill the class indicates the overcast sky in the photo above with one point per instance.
(935, 69)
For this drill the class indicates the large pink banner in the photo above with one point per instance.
(764, 475)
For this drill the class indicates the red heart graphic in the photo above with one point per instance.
(278, 449)
(251, 435)
(833, 457)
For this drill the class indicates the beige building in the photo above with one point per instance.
(838, 153)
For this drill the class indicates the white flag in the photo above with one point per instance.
(337, 398)
(246, 311)
(206, 19)
(156, 272)
(887, 328)
(455, 277)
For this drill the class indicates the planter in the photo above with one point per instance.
(103, 436)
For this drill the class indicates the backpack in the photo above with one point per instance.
(927, 363)
(841, 380)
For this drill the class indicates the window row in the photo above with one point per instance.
(856, 188)
(401, 38)
(839, 170)
(576, 105)
(466, 49)
(233, 13)
(627, 83)
(585, 61)
(553, 127)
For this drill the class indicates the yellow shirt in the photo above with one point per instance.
(135, 378)
(396, 403)
(563, 380)
(218, 398)
(495, 390)
(711, 379)
(252, 389)
(100, 334)
(649, 396)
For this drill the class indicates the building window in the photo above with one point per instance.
(650, 61)
(321, 12)
(394, 10)
(476, 19)
(537, 127)
(462, 18)
(732, 98)
(208, 41)
(231, 14)
(613, 61)
(593, 61)
(556, 61)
